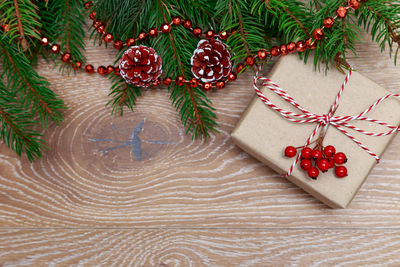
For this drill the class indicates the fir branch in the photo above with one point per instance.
(31, 88)
(382, 18)
(123, 95)
(195, 110)
(24, 43)
(23, 21)
(64, 20)
(16, 126)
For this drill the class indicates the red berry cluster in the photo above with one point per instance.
(315, 160)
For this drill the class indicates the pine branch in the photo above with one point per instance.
(23, 20)
(382, 18)
(16, 126)
(31, 88)
(64, 22)
(177, 47)
(122, 94)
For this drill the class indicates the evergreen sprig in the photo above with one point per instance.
(23, 21)
(24, 82)
(17, 126)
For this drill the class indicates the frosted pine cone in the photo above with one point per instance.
(211, 61)
(140, 66)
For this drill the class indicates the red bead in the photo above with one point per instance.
(329, 151)
(55, 48)
(341, 12)
(130, 41)
(275, 51)
(187, 24)
(291, 47)
(167, 81)
(153, 32)
(284, 50)
(290, 151)
(180, 80)
(5, 28)
(176, 20)
(194, 82)
(116, 71)
(250, 60)
(239, 67)
(354, 4)
(92, 15)
(142, 36)
(301, 46)
(110, 69)
(316, 154)
(313, 173)
(223, 35)
(328, 22)
(210, 34)
(88, 4)
(118, 44)
(220, 85)
(207, 86)
(340, 158)
(102, 70)
(108, 37)
(197, 32)
(232, 76)
(341, 171)
(89, 68)
(96, 23)
(311, 44)
(66, 57)
(100, 28)
(157, 83)
(306, 153)
(323, 165)
(262, 54)
(305, 164)
(318, 34)
(44, 41)
(166, 28)
(77, 65)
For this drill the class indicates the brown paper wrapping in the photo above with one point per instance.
(264, 134)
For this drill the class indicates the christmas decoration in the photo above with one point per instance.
(322, 113)
(254, 31)
(140, 66)
(211, 61)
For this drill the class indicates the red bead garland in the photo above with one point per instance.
(262, 54)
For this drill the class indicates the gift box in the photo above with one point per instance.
(264, 133)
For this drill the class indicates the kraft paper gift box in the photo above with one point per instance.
(264, 133)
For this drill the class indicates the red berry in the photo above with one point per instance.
(323, 165)
(306, 153)
(316, 154)
(341, 171)
(290, 151)
(313, 173)
(339, 158)
(329, 151)
(331, 163)
(305, 164)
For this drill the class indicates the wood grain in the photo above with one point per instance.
(164, 248)
(181, 202)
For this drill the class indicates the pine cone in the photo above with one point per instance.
(140, 66)
(211, 61)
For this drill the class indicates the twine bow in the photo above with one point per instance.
(339, 122)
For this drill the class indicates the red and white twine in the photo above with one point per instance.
(339, 122)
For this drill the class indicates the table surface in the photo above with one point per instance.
(97, 197)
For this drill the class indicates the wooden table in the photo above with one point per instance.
(178, 202)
